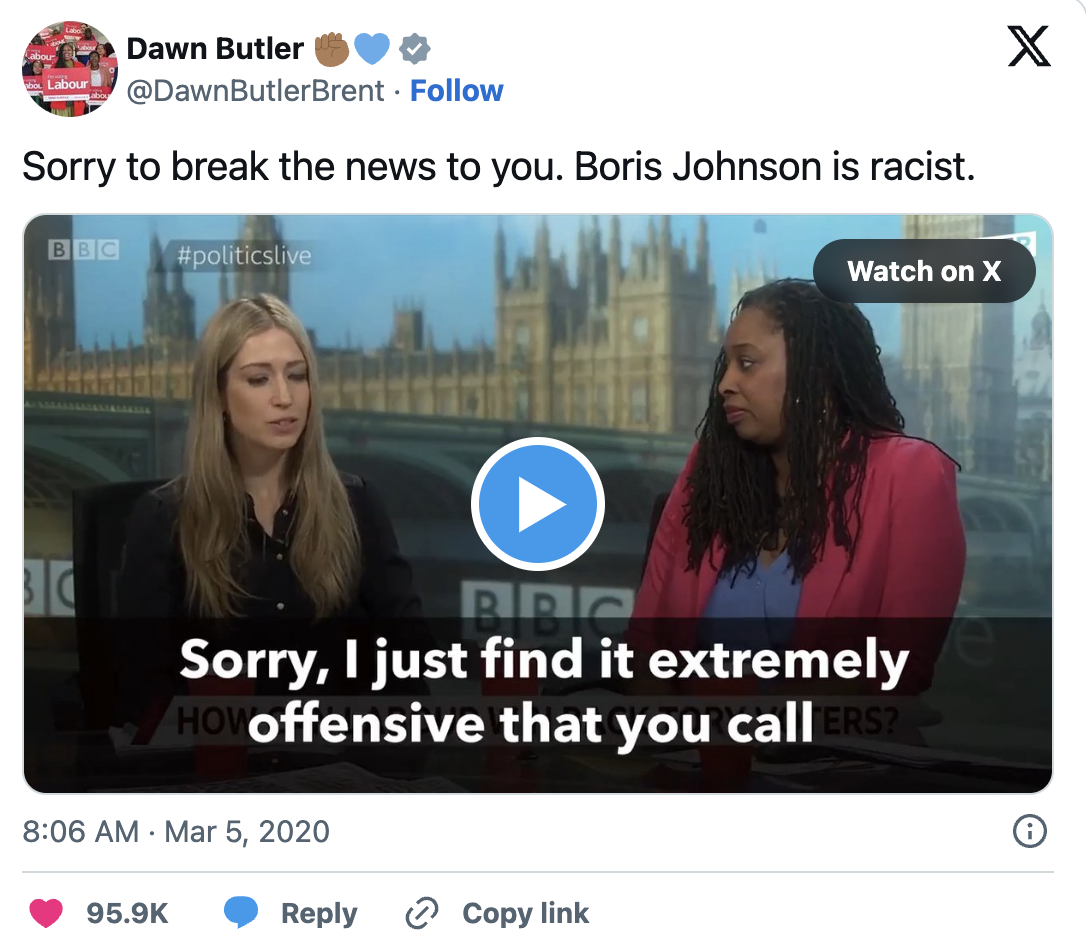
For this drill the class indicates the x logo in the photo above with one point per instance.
(1029, 46)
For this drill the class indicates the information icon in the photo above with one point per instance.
(1030, 831)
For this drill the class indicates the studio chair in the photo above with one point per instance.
(99, 519)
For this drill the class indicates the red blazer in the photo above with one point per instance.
(909, 563)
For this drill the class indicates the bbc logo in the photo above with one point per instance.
(84, 250)
(47, 588)
(542, 612)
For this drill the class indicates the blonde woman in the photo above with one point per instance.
(260, 529)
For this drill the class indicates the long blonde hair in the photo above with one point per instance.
(325, 551)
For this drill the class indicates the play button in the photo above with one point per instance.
(537, 504)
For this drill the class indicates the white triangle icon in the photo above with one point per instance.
(535, 504)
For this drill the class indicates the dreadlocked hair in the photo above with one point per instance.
(836, 400)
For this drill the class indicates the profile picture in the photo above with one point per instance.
(69, 69)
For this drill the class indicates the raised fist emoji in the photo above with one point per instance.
(331, 49)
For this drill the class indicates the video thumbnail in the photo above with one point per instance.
(535, 504)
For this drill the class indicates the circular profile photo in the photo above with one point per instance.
(69, 69)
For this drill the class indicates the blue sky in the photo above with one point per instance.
(364, 264)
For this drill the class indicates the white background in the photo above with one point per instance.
(767, 79)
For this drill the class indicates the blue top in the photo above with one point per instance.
(753, 607)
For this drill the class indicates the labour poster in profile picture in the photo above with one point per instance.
(69, 69)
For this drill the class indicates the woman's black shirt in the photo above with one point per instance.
(154, 619)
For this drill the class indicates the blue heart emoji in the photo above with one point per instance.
(371, 48)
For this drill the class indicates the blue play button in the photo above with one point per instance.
(537, 504)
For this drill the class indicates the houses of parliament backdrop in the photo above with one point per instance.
(609, 344)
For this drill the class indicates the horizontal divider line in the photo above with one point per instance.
(243, 871)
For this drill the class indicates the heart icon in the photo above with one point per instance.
(46, 912)
(371, 48)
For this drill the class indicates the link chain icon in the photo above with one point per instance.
(416, 921)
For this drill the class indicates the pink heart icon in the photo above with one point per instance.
(46, 912)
